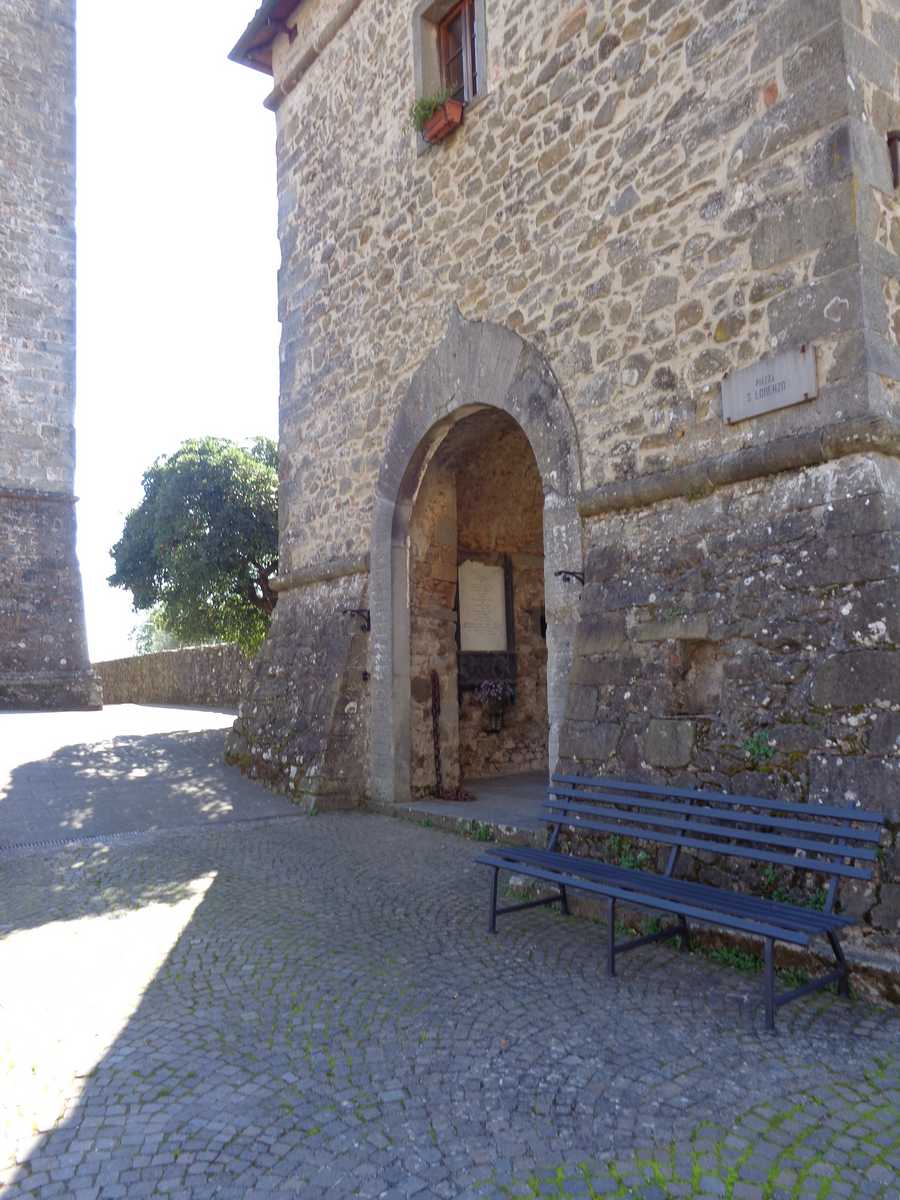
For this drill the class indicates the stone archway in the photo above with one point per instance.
(478, 365)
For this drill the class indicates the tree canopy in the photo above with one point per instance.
(202, 546)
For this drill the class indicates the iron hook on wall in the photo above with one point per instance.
(363, 613)
(568, 576)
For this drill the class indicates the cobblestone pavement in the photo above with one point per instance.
(128, 767)
(310, 1006)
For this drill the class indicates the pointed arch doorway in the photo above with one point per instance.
(483, 411)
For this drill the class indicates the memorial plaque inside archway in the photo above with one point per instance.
(482, 608)
(487, 641)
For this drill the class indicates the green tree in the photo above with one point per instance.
(202, 546)
(151, 635)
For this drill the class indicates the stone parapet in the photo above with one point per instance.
(207, 675)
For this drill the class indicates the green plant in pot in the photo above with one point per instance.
(436, 116)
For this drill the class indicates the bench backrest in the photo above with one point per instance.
(810, 837)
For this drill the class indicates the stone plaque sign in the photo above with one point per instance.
(772, 383)
(482, 607)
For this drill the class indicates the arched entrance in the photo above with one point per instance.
(479, 371)
(476, 601)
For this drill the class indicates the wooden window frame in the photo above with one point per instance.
(465, 8)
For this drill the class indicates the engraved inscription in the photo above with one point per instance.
(766, 385)
(774, 383)
(482, 607)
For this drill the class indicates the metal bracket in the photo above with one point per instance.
(568, 576)
(283, 27)
(364, 613)
(893, 141)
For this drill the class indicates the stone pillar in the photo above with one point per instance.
(43, 646)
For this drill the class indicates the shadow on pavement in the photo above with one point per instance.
(128, 784)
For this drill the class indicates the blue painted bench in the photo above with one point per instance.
(834, 842)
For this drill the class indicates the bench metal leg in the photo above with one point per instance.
(492, 923)
(564, 901)
(843, 986)
(839, 977)
(769, 984)
(611, 936)
(684, 932)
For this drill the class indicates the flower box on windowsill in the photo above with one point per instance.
(444, 120)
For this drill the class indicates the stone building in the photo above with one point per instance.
(43, 647)
(616, 366)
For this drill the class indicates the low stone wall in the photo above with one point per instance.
(211, 675)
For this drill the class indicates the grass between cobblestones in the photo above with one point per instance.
(844, 1142)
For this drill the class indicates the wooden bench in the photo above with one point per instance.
(837, 843)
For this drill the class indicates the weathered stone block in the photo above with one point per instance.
(857, 678)
(680, 628)
(582, 705)
(802, 225)
(822, 309)
(871, 783)
(884, 736)
(601, 633)
(818, 102)
(886, 914)
(606, 671)
(668, 744)
(589, 741)
(788, 24)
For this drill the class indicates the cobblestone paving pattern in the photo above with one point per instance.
(129, 767)
(310, 1006)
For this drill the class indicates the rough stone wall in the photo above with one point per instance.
(432, 627)
(302, 727)
(500, 506)
(751, 641)
(205, 675)
(43, 650)
(876, 105)
(652, 195)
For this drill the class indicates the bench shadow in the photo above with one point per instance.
(257, 1056)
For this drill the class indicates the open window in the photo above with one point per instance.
(457, 42)
(449, 48)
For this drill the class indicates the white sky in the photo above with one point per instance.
(177, 261)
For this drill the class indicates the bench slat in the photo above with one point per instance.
(796, 917)
(757, 802)
(729, 850)
(709, 916)
(731, 831)
(749, 818)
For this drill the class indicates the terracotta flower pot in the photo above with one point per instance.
(443, 121)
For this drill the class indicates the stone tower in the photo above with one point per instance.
(43, 646)
(651, 283)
